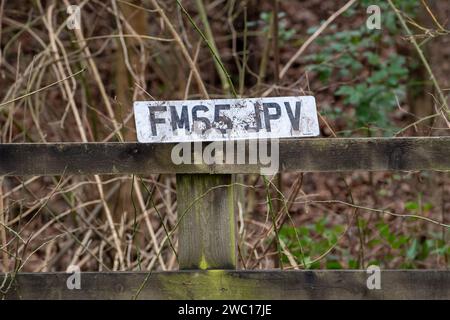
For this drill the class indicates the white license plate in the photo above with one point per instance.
(226, 119)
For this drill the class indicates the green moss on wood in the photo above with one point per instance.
(220, 284)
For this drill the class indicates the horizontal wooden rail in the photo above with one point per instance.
(221, 284)
(421, 153)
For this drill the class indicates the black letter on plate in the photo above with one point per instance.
(268, 116)
(179, 122)
(218, 118)
(153, 119)
(202, 119)
(295, 121)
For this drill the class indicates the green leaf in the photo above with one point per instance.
(427, 206)
(353, 264)
(411, 206)
(333, 265)
(412, 251)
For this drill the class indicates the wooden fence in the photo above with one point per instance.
(207, 233)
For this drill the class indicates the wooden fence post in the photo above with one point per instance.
(207, 230)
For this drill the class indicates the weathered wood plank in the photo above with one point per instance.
(415, 153)
(207, 231)
(221, 284)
